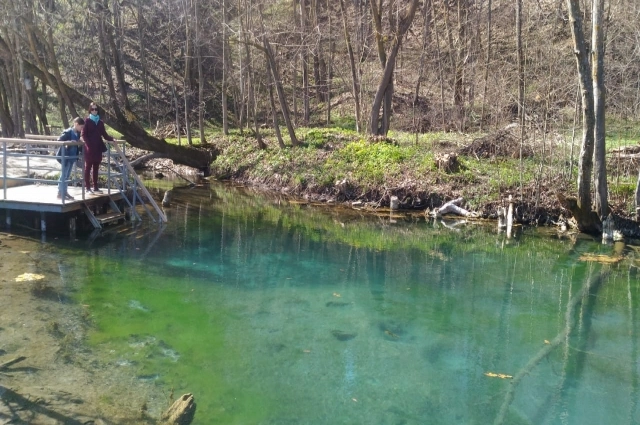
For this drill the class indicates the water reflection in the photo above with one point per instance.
(277, 312)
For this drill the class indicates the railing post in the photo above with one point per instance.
(108, 168)
(4, 172)
(61, 182)
(28, 156)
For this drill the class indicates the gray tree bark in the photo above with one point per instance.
(597, 67)
(582, 213)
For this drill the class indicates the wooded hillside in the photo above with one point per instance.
(176, 66)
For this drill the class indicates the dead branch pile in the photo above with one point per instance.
(503, 143)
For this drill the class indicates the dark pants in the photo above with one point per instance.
(88, 168)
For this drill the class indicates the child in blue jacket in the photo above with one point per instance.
(70, 155)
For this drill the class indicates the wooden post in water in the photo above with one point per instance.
(394, 203)
(502, 218)
(72, 227)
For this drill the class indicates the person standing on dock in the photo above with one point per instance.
(94, 146)
(69, 155)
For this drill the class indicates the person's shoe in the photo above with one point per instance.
(88, 190)
(68, 197)
(97, 191)
(59, 196)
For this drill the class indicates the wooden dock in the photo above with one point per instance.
(25, 185)
(41, 197)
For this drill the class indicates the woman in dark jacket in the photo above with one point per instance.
(92, 135)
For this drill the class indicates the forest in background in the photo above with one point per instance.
(193, 63)
(178, 69)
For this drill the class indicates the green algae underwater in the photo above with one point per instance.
(277, 312)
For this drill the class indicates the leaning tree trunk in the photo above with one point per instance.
(284, 107)
(128, 126)
(355, 85)
(385, 88)
(274, 111)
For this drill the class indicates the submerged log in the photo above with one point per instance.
(181, 411)
(5, 365)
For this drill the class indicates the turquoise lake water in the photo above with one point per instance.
(272, 312)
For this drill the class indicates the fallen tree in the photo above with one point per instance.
(125, 122)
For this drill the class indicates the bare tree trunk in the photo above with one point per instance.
(58, 76)
(16, 84)
(520, 60)
(5, 112)
(38, 110)
(274, 111)
(225, 69)
(597, 69)
(143, 60)
(329, 71)
(201, 102)
(31, 37)
(425, 39)
(174, 93)
(486, 65)
(105, 68)
(115, 55)
(187, 71)
(583, 214)
(252, 97)
(278, 81)
(385, 88)
(355, 84)
(251, 83)
(305, 62)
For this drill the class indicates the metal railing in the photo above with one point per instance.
(28, 161)
(115, 167)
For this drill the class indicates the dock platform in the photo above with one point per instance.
(28, 183)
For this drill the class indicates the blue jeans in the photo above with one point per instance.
(65, 173)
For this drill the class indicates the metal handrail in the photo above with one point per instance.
(127, 173)
(33, 149)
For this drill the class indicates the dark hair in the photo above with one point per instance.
(78, 120)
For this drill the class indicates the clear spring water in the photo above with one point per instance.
(278, 313)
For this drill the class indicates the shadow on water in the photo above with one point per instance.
(17, 403)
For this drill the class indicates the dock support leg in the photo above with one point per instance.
(43, 222)
(72, 227)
